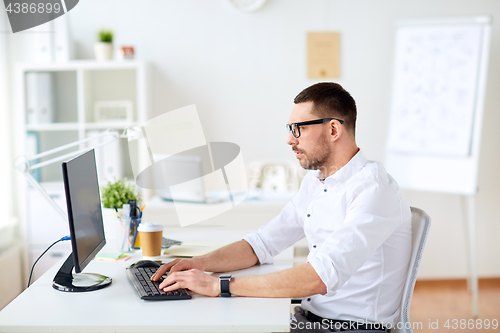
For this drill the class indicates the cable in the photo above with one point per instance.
(65, 238)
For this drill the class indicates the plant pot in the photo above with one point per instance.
(103, 51)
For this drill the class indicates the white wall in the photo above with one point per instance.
(243, 71)
(5, 168)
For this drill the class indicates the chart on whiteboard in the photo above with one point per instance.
(435, 87)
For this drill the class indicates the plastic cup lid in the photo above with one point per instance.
(150, 227)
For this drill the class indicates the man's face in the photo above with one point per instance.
(312, 148)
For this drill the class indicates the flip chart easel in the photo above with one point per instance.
(437, 112)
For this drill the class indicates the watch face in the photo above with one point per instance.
(248, 5)
(225, 277)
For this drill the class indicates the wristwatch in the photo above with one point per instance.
(224, 285)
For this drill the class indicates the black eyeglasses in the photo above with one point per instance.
(295, 127)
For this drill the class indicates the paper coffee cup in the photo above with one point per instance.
(151, 237)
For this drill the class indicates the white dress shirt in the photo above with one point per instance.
(358, 228)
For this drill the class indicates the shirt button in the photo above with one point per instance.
(308, 215)
(314, 246)
(325, 190)
(309, 299)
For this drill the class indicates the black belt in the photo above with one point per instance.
(347, 325)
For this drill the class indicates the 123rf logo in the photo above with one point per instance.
(26, 14)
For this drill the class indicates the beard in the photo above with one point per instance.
(316, 157)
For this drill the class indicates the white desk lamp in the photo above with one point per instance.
(22, 163)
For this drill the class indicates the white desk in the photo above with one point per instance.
(118, 308)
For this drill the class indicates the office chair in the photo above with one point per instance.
(420, 225)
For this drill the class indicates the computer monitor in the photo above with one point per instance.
(85, 225)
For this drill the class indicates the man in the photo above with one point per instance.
(353, 214)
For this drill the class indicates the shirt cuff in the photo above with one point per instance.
(259, 248)
(326, 272)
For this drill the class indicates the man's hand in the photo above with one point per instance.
(178, 265)
(194, 280)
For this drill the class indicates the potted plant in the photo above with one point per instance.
(115, 194)
(104, 47)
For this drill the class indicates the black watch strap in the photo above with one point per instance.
(224, 285)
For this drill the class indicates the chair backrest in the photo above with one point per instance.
(420, 224)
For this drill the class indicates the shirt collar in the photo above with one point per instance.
(356, 163)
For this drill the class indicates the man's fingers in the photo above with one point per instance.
(180, 266)
(163, 269)
(159, 272)
(171, 279)
(193, 279)
(175, 265)
(172, 287)
(180, 277)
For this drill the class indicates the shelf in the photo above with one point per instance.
(57, 106)
(80, 64)
(52, 127)
(108, 86)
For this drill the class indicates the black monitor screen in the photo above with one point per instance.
(84, 208)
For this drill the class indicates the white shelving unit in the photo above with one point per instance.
(75, 88)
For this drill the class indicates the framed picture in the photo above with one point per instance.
(113, 111)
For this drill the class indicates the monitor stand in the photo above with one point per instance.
(65, 281)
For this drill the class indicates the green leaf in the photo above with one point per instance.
(118, 193)
(105, 36)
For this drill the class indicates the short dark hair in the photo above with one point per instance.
(330, 100)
